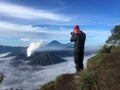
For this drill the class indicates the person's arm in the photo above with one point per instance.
(72, 38)
(84, 36)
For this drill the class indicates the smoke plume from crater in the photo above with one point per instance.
(33, 47)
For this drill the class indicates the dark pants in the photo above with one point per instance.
(78, 58)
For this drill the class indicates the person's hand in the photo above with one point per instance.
(72, 33)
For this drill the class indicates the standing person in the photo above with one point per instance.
(78, 37)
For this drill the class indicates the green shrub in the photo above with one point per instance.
(109, 49)
(86, 81)
(115, 48)
(105, 49)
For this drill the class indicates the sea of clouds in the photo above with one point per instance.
(31, 78)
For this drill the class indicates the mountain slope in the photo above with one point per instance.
(102, 73)
(45, 59)
(40, 58)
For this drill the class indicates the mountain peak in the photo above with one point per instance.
(54, 43)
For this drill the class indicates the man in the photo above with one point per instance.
(78, 37)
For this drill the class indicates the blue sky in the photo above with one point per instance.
(26, 21)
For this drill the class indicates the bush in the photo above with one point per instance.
(115, 48)
(105, 49)
(87, 81)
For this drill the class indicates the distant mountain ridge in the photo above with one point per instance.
(16, 49)
(52, 53)
(47, 57)
(55, 44)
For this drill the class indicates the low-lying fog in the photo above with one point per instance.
(31, 78)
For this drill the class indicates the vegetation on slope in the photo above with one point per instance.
(115, 37)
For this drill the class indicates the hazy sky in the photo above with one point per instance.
(26, 21)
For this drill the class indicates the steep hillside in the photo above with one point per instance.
(102, 73)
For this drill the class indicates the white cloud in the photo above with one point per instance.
(34, 40)
(5, 26)
(29, 13)
(31, 78)
(25, 39)
(28, 33)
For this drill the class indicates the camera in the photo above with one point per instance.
(72, 33)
